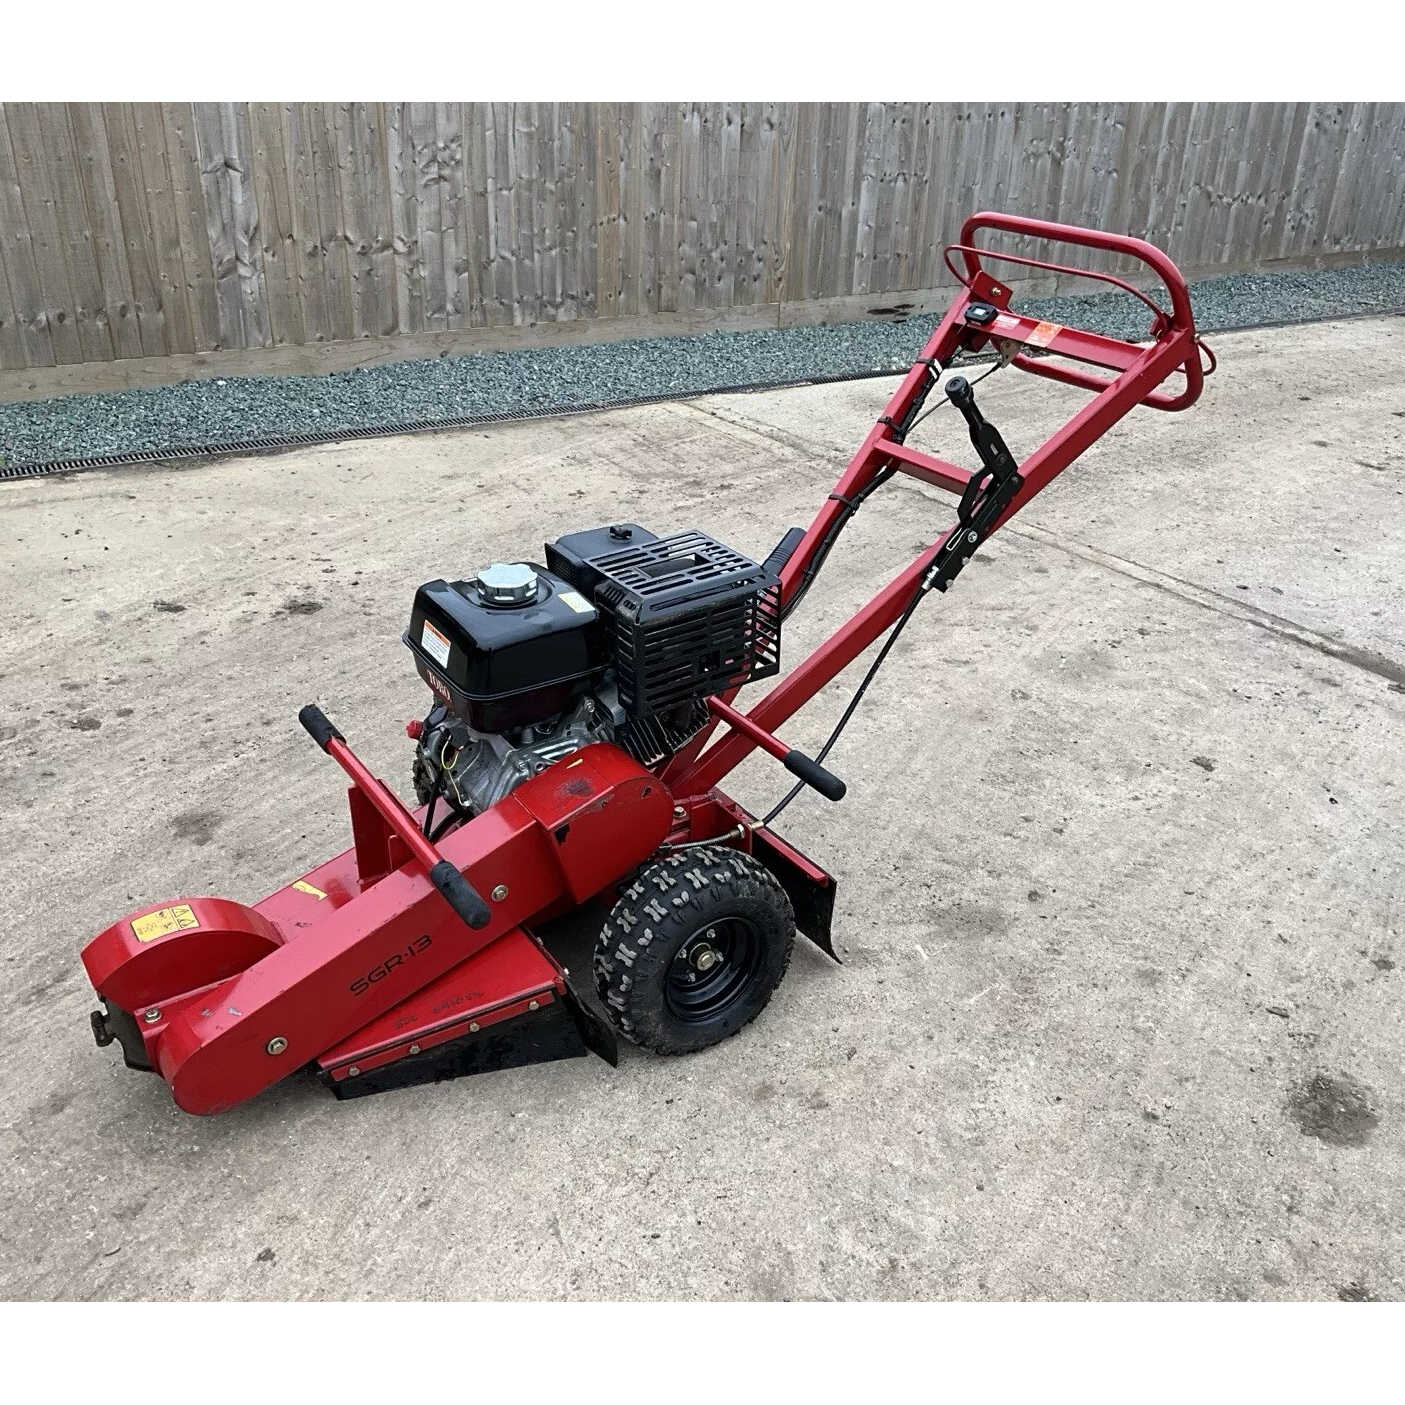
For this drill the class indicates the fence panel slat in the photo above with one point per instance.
(36, 183)
(141, 230)
(102, 221)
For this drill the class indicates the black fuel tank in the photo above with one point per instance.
(504, 665)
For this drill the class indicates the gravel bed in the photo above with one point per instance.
(214, 411)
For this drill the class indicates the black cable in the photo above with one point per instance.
(455, 816)
(855, 700)
(944, 401)
(850, 507)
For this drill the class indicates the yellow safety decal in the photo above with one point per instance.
(308, 888)
(1043, 334)
(578, 603)
(164, 922)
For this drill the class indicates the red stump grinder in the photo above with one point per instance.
(582, 724)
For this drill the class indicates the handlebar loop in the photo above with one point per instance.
(1179, 323)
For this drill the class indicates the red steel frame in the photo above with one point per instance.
(1138, 371)
(362, 962)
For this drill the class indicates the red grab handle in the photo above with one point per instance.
(453, 887)
(1181, 325)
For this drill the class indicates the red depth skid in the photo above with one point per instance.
(399, 962)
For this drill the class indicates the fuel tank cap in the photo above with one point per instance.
(501, 584)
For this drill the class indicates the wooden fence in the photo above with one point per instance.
(138, 231)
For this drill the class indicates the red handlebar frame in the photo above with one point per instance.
(1179, 325)
(1138, 371)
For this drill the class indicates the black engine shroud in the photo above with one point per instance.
(669, 620)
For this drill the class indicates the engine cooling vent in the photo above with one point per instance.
(688, 617)
(650, 740)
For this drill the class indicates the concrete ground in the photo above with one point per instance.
(1119, 869)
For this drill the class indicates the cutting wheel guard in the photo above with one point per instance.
(413, 955)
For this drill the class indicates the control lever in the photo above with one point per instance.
(453, 887)
(988, 492)
(996, 460)
(796, 762)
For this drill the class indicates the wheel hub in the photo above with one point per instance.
(713, 969)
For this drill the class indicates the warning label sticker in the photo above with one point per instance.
(435, 645)
(303, 886)
(1043, 333)
(163, 923)
(578, 603)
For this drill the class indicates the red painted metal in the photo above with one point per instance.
(370, 794)
(361, 958)
(502, 981)
(929, 469)
(1138, 371)
(218, 939)
(740, 722)
(1001, 295)
(1177, 330)
(556, 841)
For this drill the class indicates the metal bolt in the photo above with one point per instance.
(500, 892)
(971, 536)
(353, 1070)
(276, 1045)
(473, 1029)
(152, 1016)
(679, 813)
(414, 1048)
(532, 1005)
(712, 934)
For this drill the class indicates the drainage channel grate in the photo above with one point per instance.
(273, 442)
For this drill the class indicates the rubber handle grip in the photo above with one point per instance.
(460, 894)
(318, 728)
(784, 549)
(958, 391)
(814, 775)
